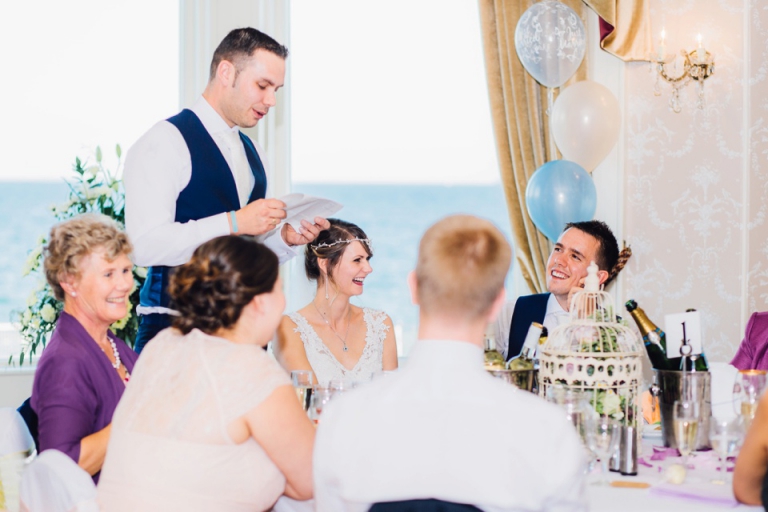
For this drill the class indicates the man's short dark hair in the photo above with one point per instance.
(241, 43)
(608, 249)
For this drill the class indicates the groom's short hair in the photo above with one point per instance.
(461, 267)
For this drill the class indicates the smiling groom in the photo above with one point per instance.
(195, 176)
(579, 244)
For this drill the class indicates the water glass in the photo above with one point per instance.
(726, 436)
(747, 389)
(686, 419)
(321, 395)
(302, 383)
(602, 436)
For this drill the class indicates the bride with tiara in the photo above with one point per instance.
(330, 336)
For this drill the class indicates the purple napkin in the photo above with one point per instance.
(697, 495)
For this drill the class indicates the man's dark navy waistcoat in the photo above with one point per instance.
(211, 190)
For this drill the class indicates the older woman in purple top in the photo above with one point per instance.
(753, 351)
(84, 369)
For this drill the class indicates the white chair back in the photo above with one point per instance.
(16, 447)
(54, 483)
(723, 377)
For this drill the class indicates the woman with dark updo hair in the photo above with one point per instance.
(330, 336)
(210, 420)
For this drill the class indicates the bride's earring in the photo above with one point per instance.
(326, 287)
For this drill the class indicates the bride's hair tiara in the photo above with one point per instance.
(366, 241)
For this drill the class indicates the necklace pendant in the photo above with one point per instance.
(345, 348)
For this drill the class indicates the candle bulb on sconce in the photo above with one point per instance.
(701, 53)
(698, 65)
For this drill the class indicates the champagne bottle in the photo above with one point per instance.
(527, 359)
(654, 338)
(493, 358)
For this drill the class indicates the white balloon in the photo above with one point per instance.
(550, 41)
(585, 123)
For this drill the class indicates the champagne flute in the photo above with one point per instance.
(321, 395)
(302, 383)
(686, 425)
(747, 389)
(726, 437)
(602, 434)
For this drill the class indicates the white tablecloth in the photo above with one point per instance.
(696, 494)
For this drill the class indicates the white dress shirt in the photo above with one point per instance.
(157, 168)
(554, 317)
(443, 428)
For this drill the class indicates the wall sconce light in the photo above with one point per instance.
(698, 65)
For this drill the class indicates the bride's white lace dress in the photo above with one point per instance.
(169, 447)
(327, 367)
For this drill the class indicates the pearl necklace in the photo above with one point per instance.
(117, 363)
(349, 321)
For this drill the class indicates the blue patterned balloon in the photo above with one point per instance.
(560, 192)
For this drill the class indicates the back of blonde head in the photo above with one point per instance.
(462, 263)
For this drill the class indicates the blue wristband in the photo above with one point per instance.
(234, 221)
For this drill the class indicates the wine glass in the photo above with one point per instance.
(686, 426)
(302, 383)
(321, 395)
(747, 389)
(602, 435)
(726, 437)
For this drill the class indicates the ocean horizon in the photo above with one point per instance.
(394, 217)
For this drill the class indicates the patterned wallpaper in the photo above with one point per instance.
(696, 183)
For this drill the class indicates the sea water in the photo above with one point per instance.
(393, 216)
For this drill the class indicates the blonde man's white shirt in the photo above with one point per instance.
(442, 428)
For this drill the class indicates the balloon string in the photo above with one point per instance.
(550, 104)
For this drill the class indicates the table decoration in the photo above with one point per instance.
(595, 353)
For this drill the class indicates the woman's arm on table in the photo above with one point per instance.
(753, 459)
(389, 357)
(289, 349)
(93, 450)
(283, 430)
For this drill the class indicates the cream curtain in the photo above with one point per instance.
(521, 127)
(628, 34)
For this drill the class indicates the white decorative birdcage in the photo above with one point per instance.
(594, 353)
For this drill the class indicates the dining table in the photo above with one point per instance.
(652, 491)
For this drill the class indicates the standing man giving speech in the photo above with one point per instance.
(195, 176)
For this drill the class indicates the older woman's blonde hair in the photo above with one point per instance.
(72, 240)
(461, 267)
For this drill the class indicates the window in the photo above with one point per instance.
(390, 117)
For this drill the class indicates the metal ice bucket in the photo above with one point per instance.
(523, 379)
(669, 386)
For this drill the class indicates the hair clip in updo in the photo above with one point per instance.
(366, 241)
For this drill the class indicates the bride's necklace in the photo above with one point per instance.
(349, 321)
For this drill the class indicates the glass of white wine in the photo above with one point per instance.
(302, 383)
(726, 436)
(747, 389)
(686, 423)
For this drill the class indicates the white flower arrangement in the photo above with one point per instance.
(93, 189)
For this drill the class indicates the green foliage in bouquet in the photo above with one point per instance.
(92, 189)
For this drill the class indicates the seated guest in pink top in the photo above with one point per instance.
(210, 421)
(83, 371)
(753, 351)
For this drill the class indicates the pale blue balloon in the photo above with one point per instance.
(560, 192)
(550, 40)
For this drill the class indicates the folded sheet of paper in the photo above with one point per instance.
(300, 207)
